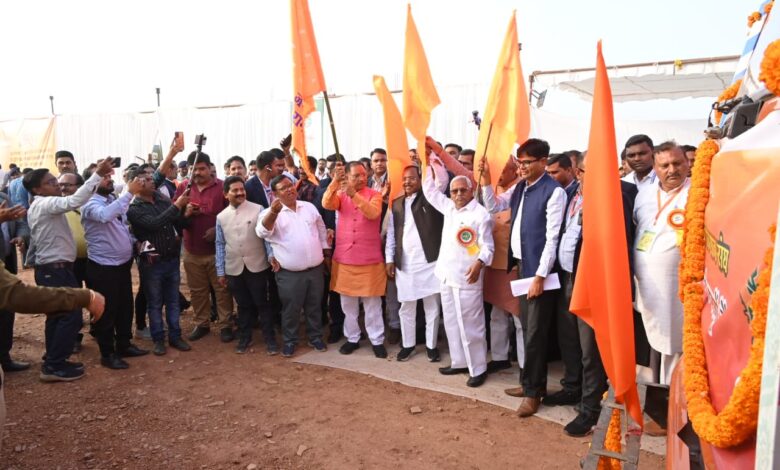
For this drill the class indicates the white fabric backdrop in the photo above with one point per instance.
(247, 130)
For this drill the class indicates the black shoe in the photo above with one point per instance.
(184, 305)
(380, 351)
(226, 335)
(113, 362)
(335, 335)
(560, 398)
(66, 374)
(449, 370)
(75, 365)
(159, 348)
(582, 425)
(243, 346)
(348, 348)
(495, 366)
(433, 354)
(405, 354)
(14, 366)
(198, 332)
(477, 380)
(133, 351)
(179, 344)
(288, 350)
(318, 345)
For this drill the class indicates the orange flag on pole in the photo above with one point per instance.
(507, 117)
(395, 138)
(602, 288)
(420, 95)
(307, 77)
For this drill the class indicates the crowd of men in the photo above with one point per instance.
(270, 243)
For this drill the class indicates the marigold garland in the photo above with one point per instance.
(770, 68)
(612, 443)
(755, 16)
(726, 95)
(768, 7)
(737, 421)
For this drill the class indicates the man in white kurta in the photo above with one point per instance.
(466, 248)
(413, 242)
(659, 212)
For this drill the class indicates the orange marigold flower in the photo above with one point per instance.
(770, 67)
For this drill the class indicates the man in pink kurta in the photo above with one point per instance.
(358, 271)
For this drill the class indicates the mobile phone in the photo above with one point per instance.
(178, 139)
(286, 141)
(116, 162)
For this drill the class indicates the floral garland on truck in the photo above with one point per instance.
(737, 421)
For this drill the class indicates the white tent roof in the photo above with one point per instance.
(648, 81)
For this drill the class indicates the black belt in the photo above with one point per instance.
(58, 265)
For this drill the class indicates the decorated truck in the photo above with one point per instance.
(725, 274)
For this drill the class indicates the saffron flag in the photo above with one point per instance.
(307, 77)
(395, 138)
(420, 95)
(507, 117)
(602, 288)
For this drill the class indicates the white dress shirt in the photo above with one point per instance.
(297, 237)
(49, 229)
(571, 234)
(648, 180)
(556, 206)
(454, 260)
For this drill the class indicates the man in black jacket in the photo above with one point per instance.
(593, 378)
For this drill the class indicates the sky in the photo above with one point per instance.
(103, 56)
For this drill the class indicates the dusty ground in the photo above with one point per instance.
(210, 408)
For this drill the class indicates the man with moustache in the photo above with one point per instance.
(109, 258)
(299, 239)
(659, 213)
(413, 242)
(358, 269)
(207, 201)
(54, 256)
(242, 264)
(466, 248)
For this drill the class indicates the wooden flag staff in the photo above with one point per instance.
(330, 118)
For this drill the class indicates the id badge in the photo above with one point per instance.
(645, 241)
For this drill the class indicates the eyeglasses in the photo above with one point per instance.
(459, 190)
(526, 163)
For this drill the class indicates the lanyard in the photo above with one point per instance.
(668, 201)
(575, 205)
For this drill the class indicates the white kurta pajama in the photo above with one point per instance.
(416, 280)
(464, 316)
(656, 261)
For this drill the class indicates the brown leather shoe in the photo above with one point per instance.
(528, 406)
(652, 428)
(515, 392)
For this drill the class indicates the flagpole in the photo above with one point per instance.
(330, 118)
(482, 167)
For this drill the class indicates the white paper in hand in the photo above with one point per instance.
(521, 286)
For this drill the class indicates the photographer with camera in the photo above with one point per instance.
(157, 223)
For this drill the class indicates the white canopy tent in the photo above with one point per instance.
(670, 79)
(247, 129)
